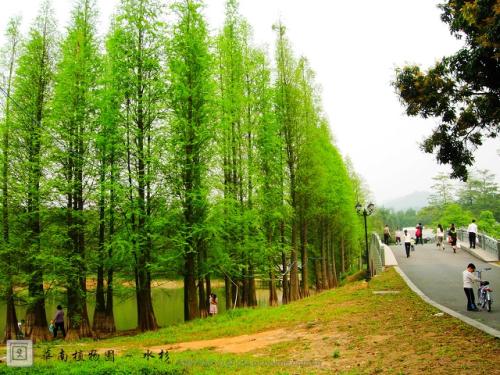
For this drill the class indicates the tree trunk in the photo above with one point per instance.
(304, 259)
(36, 318)
(333, 270)
(329, 260)
(11, 327)
(342, 252)
(109, 323)
(191, 310)
(202, 297)
(294, 272)
(273, 294)
(227, 289)
(317, 274)
(324, 259)
(286, 290)
(252, 289)
(100, 304)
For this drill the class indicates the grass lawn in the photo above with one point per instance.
(349, 330)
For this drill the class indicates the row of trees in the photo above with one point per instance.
(163, 151)
(453, 202)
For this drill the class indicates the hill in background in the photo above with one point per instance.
(415, 200)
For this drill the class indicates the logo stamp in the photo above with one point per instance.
(19, 353)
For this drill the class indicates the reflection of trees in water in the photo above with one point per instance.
(167, 302)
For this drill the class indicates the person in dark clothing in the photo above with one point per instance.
(59, 321)
(452, 232)
(387, 234)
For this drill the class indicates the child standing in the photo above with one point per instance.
(469, 279)
(213, 305)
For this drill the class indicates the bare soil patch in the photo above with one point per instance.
(240, 344)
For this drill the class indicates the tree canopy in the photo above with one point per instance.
(462, 91)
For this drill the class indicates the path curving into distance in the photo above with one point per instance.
(438, 274)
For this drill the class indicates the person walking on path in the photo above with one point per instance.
(440, 237)
(407, 239)
(418, 234)
(59, 321)
(387, 234)
(472, 229)
(469, 279)
(398, 236)
(453, 237)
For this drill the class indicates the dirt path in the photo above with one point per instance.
(235, 344)
(239, 344)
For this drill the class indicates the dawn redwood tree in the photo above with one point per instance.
(139, 51)
(286, 112)
(9, 63)
(269, 160)
(189, 95)
(109, 153)
(462, 91)
(74, 117)
(230, 98)
(32, 92)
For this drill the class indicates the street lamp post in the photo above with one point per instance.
(366, 211)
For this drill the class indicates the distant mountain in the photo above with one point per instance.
(415, 200)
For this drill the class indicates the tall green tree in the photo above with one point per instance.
(74, 117)
(33, 85)
(109, 151)
(236, 147)
(189, 95)
(269, 180)
(286, 112)
(139, 50)
(443, 190)
(461, 90)
(9, 63)
(480, 192)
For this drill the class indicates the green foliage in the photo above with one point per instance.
(488, 224)
(164, 152)
(461, 90)
(121, 366)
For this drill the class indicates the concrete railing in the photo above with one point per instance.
(483, 241)
(376, 254)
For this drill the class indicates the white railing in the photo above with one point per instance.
(483, 241)
(376, 255)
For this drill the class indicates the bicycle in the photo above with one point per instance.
(484, 291)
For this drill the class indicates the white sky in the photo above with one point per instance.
(353, 46)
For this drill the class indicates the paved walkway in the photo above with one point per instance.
(438, 274)
(478, 253)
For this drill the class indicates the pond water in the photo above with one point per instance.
(167, 303)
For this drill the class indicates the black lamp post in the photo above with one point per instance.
(366, 211)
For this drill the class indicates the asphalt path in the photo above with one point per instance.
(438, 274)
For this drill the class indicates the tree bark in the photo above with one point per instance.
(304, 258)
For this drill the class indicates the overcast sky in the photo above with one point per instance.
(353, 46)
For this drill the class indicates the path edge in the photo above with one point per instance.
(483, 327)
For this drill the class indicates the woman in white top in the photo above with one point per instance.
(440, 236)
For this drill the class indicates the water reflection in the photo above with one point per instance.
(167, 303)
